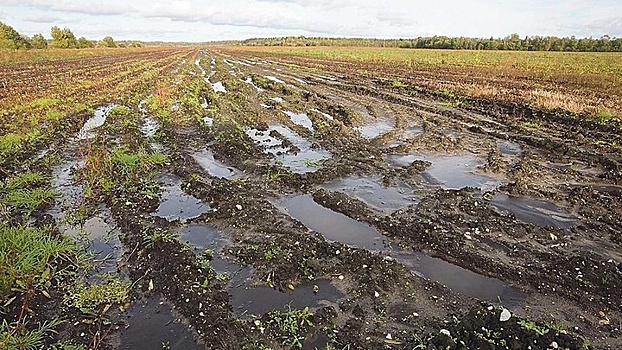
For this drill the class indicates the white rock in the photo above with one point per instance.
(376, 294)
(239, 207)
(505, 315)
(389, 336)
(446, 332)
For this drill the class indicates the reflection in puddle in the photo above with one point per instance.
(533, 211)
(332, 225)
(152, 325)
(219, 87)
(208, 121)
(261, 299)
(300, 81)
(277, 99)
(201, 237)
(101, 237)
(212, 166)
(176, 204)
(461, 280)
(326, 115)
(509, 148)
(149, 127)
(302, 160)
(97, 120)
(370, 131)
(371, 191)
(450, 172)
(301, 119)
(274, 79)
(249, 80)
(338, 227)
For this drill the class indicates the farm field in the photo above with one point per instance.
(310, 198)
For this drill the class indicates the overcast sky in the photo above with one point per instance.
(207, 20)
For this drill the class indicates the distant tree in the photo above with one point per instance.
(63, 38)
(84, 43)
(39, 42)
(108, 42)
(10, 38)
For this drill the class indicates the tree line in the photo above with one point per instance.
(61, 38)
(510, 42)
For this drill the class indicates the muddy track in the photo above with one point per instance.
(402, 218)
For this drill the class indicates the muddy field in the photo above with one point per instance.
(269, 205)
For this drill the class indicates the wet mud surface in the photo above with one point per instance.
(399, 221)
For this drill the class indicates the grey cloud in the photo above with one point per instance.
(48, 19)
(88, 7)
(610, 26)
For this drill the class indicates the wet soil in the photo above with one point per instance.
(400, 221)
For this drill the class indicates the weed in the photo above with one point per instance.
(533, 327)
(290, 327)
(26, 255)
(530, 125)
(90, 298)
(28, 200)
(24, 338)
(398, 84)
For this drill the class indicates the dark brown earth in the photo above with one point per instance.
(446, 201)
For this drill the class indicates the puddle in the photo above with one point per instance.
(219, 87)
(300, 81)
(204, 103)
(277, 99)
(274, 79)
(212, 166)
(201, 237)
(97, 120)
(371, 131)
(152, 325)
(371, 191)
(258, 300)
(509, 148)
(208, 121)
(100, 236)
(326, 115)
(412, 132)
(62, 182)
(301, 119)
(332, 225)
(300, 161)
(325, 77)
(450, 172)
(265, 106)
(534, 211)
(176, 204)
(461, 280)
(249, 80)
(338, 227)
(197, 63)
(150, 127)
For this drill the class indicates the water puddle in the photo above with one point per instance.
(449, 171)
(461, 280)
(274, 79)
(197, 63)
(534, 211)
(509, 148)
(208, 121)
(303, 159)
(301, 81)
(153, 325)
(149, 127)
(301, 119)
(332, 225)
(212, 166)
(62, 182)
(258, 300)
(176, 204)
(202, 237)
(326, 115)
(100, 236)
(97, 120)
(373, 130)
(371, 191)
(338, 227)
(249, 80)
(219, 87)
(277, 99)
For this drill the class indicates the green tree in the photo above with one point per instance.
(63, 38)
(39, 42)
(84, 43)
(108, 42)
(10, 38)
